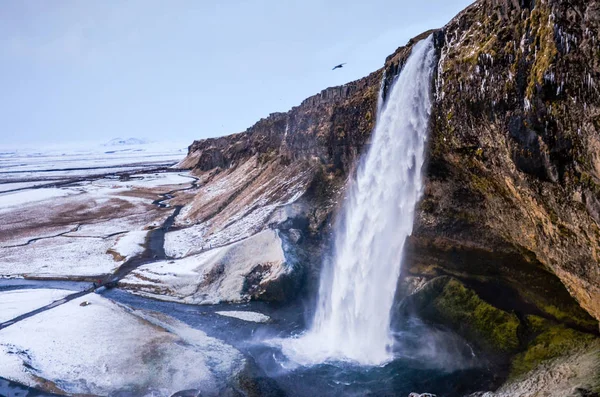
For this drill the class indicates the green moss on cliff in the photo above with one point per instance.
(572, 314)
(481, 184)
(551, 341)
(461, 305)
(542, 30)
(588, 182)
(447, 301)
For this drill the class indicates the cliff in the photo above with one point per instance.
(511, 209)
(514, 163)
(515, 166)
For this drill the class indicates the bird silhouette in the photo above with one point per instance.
(341, 65)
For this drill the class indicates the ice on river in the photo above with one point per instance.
(105, 348)
(254, 317)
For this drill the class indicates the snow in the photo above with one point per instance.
(60, 256)
(104, 218)
(79, 229)
(131, 243)
(62, 161)
(148, 180)
(15, 199)
(4, 187)
(106, 348)
(14, 303)
(87, 155)
(194, 239)
(7, 239)
(246, 215)
(214, 276)
(126, 141)
(245, 316)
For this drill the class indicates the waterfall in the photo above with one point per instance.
(380, 98)
(356, 294)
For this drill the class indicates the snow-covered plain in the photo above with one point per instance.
(9, 201)
(60, 257)
(21, 163)
(60, 156)
(5, 187)
(148, 181)
(105, 348)
(14, 303)
(87, 228)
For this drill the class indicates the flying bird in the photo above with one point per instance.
(341, 65)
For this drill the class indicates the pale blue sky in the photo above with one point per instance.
(182, 70)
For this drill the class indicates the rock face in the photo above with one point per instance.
(511, 208)
(513, 175)
(514, 167)
(445, 300)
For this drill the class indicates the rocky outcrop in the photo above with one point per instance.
(513, 167)
(331, 127)
(537, 356)
(513, 171)
(510, 216)
(254, 268)
(573, 373)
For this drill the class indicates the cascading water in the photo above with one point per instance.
(352, 319)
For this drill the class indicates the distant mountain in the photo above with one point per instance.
(126, 142)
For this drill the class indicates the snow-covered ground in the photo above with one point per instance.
(105, 348)
(13, 200)
(5, 187)
(14, 303)
(19, 163)
(54, 157)
(61, 257)
(87, 228)
(130, 243)
(218, 275)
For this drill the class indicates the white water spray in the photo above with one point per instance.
(357, 289)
